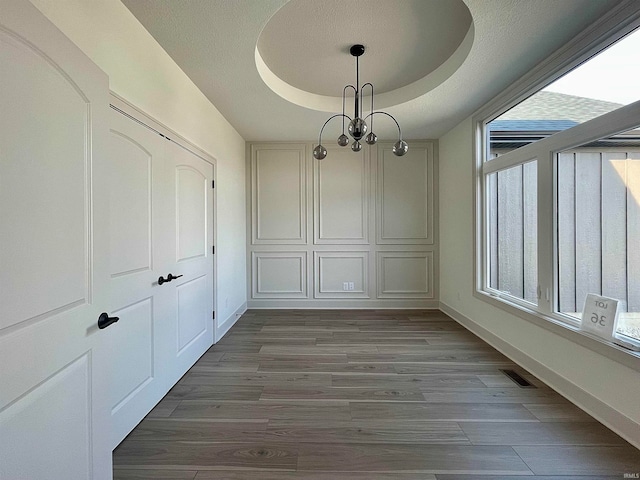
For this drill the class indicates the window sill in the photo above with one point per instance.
(626, 357)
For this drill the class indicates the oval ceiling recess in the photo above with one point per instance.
(412, 46)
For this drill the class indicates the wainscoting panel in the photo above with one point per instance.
(405, 200)
(279, 203)
(279, 274)
(405, 274)
(341, 197)
(335, 269)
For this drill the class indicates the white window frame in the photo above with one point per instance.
(610, 28)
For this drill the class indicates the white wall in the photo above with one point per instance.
(605, 388)
(142, 73)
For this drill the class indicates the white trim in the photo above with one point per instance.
(230, 321)
(344, 304)
(604, 413)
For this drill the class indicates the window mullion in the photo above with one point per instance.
(546, 236)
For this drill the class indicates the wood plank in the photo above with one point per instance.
(367, 432)
(400, 381)
(184, 391)
(413, 458)
(583, 460)
(128, 474)
(164, 408)
(558, 413)
(310, 366)
(204, 456)
(264, 475)
(451, 368)
(492, 395)
(343, 393)
(589, 433)
(262, 410)
(197, 430)
(433, 412)
(254, 379)
(318, 349)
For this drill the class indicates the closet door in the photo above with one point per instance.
(137, 173)
(187, 240)
(161, 222)
(54, 365)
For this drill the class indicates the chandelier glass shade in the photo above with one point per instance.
(358, 127)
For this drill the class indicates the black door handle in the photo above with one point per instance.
(104, 320)
(168, 279)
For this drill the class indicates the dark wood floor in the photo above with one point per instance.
(375, 395)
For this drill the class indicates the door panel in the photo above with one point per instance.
(54, 414)
(28, 423)
(37, 96)
(191, 207)
(192, 311)
(130, 206)
(133, 348)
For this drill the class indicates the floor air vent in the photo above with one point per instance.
(523, 383)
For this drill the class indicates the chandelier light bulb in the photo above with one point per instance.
(343, 140)
(400, 148)
(319, 152)
(357, 128)
(356, 146)
(371, 138)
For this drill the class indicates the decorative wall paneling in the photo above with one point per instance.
(405, 196)
(355, 230)
(279, 200)
(279, 274)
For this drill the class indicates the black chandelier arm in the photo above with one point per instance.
(371, 110)
(344, 94)
(392, 118)
(328, 120)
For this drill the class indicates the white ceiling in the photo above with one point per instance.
(276, 68)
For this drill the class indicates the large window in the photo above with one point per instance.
(598, 227)
(559, 194)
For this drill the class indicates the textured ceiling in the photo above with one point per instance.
(216, 43)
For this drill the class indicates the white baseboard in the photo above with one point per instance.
(340, 304)
(604, 413)
(229, 322)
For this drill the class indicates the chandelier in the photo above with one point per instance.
(357, 125)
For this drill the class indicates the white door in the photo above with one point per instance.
(187, 252)
(161, 223)
(137, 156)
(54, 411)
